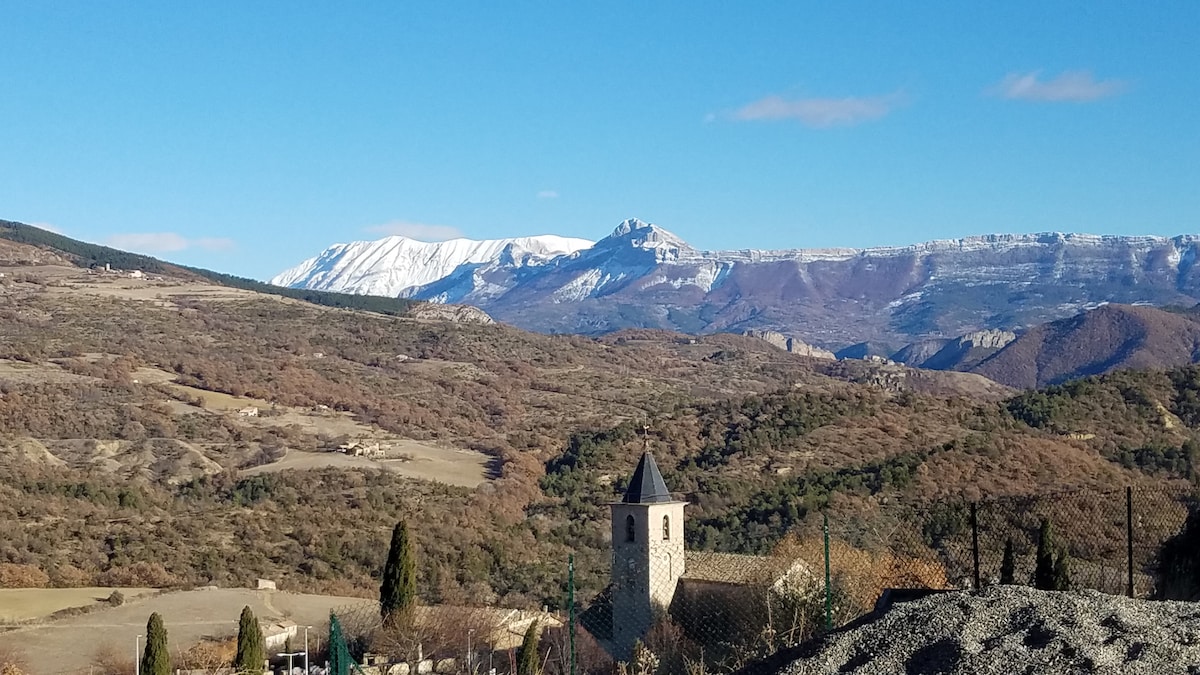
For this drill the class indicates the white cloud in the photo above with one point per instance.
(547, 194)
(165, 242)
(1076, 86)
(820, 112)
(418, 231)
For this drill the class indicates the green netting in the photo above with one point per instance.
(340, 661)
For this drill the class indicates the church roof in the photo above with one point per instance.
(647, 485)
(738, 569)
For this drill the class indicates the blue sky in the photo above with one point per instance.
(246, 136)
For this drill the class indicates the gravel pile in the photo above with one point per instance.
(1012, 630)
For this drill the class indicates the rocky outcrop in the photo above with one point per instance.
(455, 313)
(965, 352)
(790, 344)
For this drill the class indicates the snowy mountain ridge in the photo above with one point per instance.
(393, 265)
(644, 276)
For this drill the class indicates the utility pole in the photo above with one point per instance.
(470, 655)
(137, 657)
(306, 671)
(289, 656)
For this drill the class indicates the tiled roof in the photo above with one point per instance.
(735, 568)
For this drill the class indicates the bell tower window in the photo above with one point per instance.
(630, 533)
(666, 528)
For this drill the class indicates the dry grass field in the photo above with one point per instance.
(69, 644)
(22, 605)
(451, 466)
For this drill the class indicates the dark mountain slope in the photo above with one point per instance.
(84, 254)
(1109, 338)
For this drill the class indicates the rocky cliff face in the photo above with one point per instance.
(790, 344)
(644, 276)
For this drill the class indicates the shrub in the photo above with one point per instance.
(22, 576)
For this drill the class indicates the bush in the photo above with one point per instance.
(1178, 571)
(140, 574)
(22, 576)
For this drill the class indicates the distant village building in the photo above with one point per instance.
(265, 585)
(361, 449)
(276, 635)
(248, 412)
(137, 274)
(653, 573)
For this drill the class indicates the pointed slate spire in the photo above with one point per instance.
(647, 485)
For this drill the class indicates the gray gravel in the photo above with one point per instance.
(1014, 630)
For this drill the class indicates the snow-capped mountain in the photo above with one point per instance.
(392, 266)
(644, 276)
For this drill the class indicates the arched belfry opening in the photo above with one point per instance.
(630, 528)
(666, 528)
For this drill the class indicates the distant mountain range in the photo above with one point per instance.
(644, 276)
(1097, 340)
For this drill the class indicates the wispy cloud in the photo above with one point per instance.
(547, 194)
(1077, 86)
(418, 231)
(819, 112)
(165, 242)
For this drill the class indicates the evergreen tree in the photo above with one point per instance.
(398, 591)
(1178, 569)
(1043, 573)
(155, 659)
(1062, 572)
(249, 659)
(527, 655)
(1008, 565)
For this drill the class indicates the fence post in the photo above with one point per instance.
(1129, 540)
(571, 604)
(828, 589)
(975, 541)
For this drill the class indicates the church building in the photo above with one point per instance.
(652, 572)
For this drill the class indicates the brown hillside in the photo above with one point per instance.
(1109, 338)
(125, 458)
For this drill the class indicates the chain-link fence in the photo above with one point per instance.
(664, 609)
(1109, 541)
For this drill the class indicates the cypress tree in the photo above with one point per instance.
(1043, 573)
(155, 659)
(527, 656)
(398, 591)
(1008, 565)
(249, 659)
(1062, 572)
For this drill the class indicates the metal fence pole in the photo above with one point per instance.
(1129, 540)
(828, 589)
(975, 541)
(571, 604)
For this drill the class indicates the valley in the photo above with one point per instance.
(172, 433)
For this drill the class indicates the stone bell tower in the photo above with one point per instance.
(647, 555)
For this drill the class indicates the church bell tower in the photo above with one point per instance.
(647, 555)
